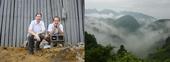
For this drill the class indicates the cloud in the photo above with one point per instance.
(156, 8)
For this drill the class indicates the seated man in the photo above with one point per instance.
(35, 30)
(55, 28)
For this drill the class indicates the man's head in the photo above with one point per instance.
(38, 17)
(56, 20)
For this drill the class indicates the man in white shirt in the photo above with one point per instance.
(35, 30)
(55, 28)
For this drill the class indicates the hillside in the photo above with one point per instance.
(45, 55)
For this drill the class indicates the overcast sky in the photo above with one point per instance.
(156, 8)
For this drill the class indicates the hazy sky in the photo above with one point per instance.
(155, 8)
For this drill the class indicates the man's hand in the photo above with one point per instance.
(37, 37)
(57, 24)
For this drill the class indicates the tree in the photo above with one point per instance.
(162, 54)
(124, 56)
(122, 51)
(95, 52)
(90, 40)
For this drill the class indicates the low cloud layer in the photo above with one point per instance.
(142, 42)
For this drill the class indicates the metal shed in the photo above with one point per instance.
(16, 15)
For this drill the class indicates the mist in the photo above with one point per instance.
(141, 42)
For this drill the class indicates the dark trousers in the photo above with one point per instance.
(33, 44)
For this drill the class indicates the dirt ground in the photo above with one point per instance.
(55, 54)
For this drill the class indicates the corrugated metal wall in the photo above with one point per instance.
(16, 15)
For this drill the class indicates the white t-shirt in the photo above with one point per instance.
(37, 27)
(51, 27)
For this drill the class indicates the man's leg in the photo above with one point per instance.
(37, 43)
(30, 43)
(47, 38)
